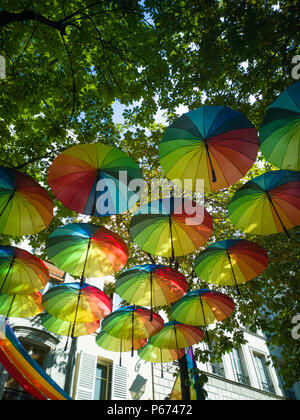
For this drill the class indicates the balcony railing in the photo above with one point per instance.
(242, 379)
(16, 395)
(217, 370)
(268, 387)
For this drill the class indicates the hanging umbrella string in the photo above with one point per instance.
(76, 312)
(67, 343)
(205, 325)
(8, 201)
(214, 178)
(132, 334)
(172, 245)
(10, 306)
(7, 274)
(176, 341)
(151, 296)
(120, 363)
(161, 364)
(85, 262)
(233, 273)
(277, 214)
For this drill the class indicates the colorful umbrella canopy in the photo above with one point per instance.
(77, 304)
(280, 130)
(177, 336)
(21, 273)
(154, 354)
(213, 143)
(25, 207)
(151, 285)
(61, 327)
(21, 306)
(94, 179)
(171, 227)
(231, 262)
(132, 323)
(83, 249)
(202, 307)
(116, 344)
(267, 204)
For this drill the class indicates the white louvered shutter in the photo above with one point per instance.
(86, 377)
(119, 382)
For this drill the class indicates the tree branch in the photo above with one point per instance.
(10, 17)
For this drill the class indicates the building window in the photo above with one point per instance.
(263, 373)
(103, 381)
(239, 368)
(217, 368)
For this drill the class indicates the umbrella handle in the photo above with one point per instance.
(277, 214)
(213, 174)
(151, 297)
(85, 262)
(233, 273)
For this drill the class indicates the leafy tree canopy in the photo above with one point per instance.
(69, 61)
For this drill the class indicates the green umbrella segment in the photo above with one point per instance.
(21, 306)
(280, 130)
(151, 285)
(62, 327)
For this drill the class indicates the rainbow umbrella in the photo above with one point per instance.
(171, 227)
(267, 204)
(212, 143)
(175, 335)
(87, 250)
(231, 262)
(21, 273)
(202, 307)
(21, 306)
(132, 323)
(154, 354)
(151, 285)
(77, 303)
(94, 179)
(115, 344)
(61, 327)
(25, 207)
(280, 130)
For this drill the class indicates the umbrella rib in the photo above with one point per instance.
(277, 214)
(10, 267)
(8, 201)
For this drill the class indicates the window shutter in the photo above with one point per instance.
(119, 382)
(86, 377)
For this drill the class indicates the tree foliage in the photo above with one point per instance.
(69, 61)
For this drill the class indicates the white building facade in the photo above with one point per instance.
(88, 372)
